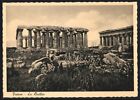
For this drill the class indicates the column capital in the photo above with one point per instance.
(19, 32)
(57, 31)
(64, 30)
(29, 29)
(20, 29)
(38, 29)
(43, 32)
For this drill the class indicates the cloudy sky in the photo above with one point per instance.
(94, 17)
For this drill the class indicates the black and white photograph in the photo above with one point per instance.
(70, 49)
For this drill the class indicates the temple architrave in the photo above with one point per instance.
(114, 37)
(51, 37)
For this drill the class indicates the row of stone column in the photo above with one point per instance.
(111, 40)
(52, 39)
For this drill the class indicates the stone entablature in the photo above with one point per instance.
(112, 37)
(49, 37)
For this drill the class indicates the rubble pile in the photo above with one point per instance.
(51, 75)
(86, 72)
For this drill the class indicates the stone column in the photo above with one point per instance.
(110, 41)
(47, 39)
(85, 39)
(60, 42)
(122, 39)
(114, 40)
(74, 41)
(26, 42)
(128, 39)
(51, 39)
(105, 41)
(71, 39)
(56, 39)
(19, 38)
(38, 39)
(81, 39)
(64, 38)
(29, 38)
(43, 39)
(131, 36)
(100, 40)
(78, 39)
(35, 39)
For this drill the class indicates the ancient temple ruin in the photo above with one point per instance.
(112, 37)
(51, 37)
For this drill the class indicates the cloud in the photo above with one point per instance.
(96, 22)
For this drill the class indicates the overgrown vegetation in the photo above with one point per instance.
(78, 77)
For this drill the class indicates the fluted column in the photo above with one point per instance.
(110, 41)
(71, 38)
(26, 42)
(47, 39)
(81, 39)
(128, 39)
(29, 38)
(60, 42)
(35, 39)
(100, 40)
(105, 41)
(74, 41)
(123, 39)
(38, 39)
(64, 39)
(78, 39)
(56, 39)
(131, 36)
(51, 39)
(43, 39)
(19, 38)
(119, 38)
(114, 40)
(85, 39)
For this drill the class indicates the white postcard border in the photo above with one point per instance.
(72, 94)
